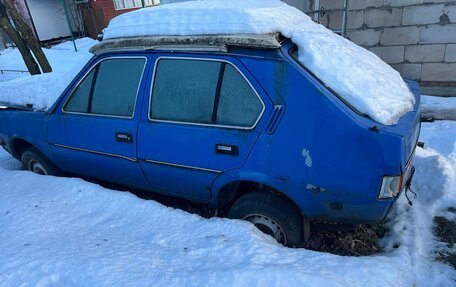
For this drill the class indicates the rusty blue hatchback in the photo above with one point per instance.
(238, 125)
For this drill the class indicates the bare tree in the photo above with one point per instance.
(13, 34)
(26, 34)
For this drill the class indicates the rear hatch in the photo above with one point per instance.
(408, 126)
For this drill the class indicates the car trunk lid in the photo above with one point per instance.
(408, 127)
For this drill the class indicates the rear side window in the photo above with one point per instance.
(238, 103)
(203, 92)
(109, 89)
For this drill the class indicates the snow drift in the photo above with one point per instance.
(67, 232)
(43, 90)
(357, 75)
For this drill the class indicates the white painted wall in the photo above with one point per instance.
(49, 19)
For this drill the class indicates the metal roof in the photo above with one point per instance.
(196, 42)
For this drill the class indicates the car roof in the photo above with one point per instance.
(220, 43)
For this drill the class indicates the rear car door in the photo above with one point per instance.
(93, 133)
(203, 117)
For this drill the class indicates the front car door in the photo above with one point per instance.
(93, 132)
(203, 117)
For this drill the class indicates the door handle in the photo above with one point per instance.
(124, 138)
(227, 149)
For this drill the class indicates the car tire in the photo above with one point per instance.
(274, 216)
(36, 162)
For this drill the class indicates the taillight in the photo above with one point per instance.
(391, 186)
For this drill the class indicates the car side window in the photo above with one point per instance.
(203, 92)
(184, 90)
(238, 103)
(110, 88)
(79, 100)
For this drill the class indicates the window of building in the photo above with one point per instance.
(129, 4)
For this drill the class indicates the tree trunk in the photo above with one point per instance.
(27, 33)
(5, 25)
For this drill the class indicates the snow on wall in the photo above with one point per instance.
(357, 75)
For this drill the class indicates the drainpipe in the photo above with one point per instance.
(344, 19)
(316, 8)
(69, 25)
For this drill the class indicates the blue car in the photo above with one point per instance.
(239, 125)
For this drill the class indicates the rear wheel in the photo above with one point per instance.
(272, 215)
(36, 162)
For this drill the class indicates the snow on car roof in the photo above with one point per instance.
(358, 76)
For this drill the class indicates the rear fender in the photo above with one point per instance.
(240, 175)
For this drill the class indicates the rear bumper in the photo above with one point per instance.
(365, 211)
(359, 213)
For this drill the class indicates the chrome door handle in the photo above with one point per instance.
(227, 149)
(124, 137)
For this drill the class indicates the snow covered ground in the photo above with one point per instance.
(440, 108)
(438, 103)
(60, 57)
(68, 232)
(42, 90)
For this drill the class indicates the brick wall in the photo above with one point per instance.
(416, 37)
(108, 8)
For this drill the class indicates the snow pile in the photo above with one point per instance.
(439, 108)
(44, 89)
(61, 56)
(40, 90)
(357, 75)
(67, 232)
(82, 44)
(438, 103)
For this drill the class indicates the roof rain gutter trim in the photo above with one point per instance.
(194, 43)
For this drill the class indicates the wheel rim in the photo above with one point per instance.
(37, 168)
(269, 226)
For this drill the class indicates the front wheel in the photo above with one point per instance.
(36, 162)
(272, 215)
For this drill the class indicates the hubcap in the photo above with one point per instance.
(37, 168)
(268, 226)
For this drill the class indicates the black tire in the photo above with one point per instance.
(272, 215)
(36, 162)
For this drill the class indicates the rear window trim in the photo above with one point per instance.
(157, 60)
(95, 66)
(345, 102)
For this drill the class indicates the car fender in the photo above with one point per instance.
(235, 175)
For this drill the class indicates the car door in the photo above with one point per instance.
(93, 132)
(202, 119)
